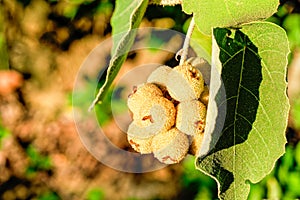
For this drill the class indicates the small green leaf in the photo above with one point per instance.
(229, 13)
(126, 18)
(254, 63)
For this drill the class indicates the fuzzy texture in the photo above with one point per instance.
(170, 147)
(155, 116)
(157, 110)
(142, 146)
(185, 83)
(141, 94)
(205, 96)
(203, 66)
(169, 113)
(160, 75)
(196, 144)
(191, 117)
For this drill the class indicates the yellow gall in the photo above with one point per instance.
(155, 116)
(195, 147)
(142, 146)
(140, 94)
(160, 75)
(190, 117)
(170, 147)
(185, 83)
(205, 96)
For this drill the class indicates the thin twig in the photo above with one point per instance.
(186, 44)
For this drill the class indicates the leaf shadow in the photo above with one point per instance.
(241, 76)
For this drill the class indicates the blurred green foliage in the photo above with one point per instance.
(49, 196)
(24, 2)
(284, 180)
(95, 194)
(290, 22)
(155, 43)
(105, 7)
(4, 63)
(3, 134)
(292, 26)
(295, 113)
(196, 185)
(104, 110)
(72, 7)
(112, 104)
(37, 161)
(282, 183)
(174, 12)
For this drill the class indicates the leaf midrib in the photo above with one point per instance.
(236, 113)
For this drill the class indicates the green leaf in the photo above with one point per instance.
(201, 44)
(229, 13)
(253, 71)
(126, 18)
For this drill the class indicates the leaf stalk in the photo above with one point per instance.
(186, 44)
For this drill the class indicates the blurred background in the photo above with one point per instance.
(43, 43)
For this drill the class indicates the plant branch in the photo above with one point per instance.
(186, 44)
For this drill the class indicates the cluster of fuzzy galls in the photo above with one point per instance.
(169, 113)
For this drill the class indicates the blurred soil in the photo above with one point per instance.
(45, 51)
